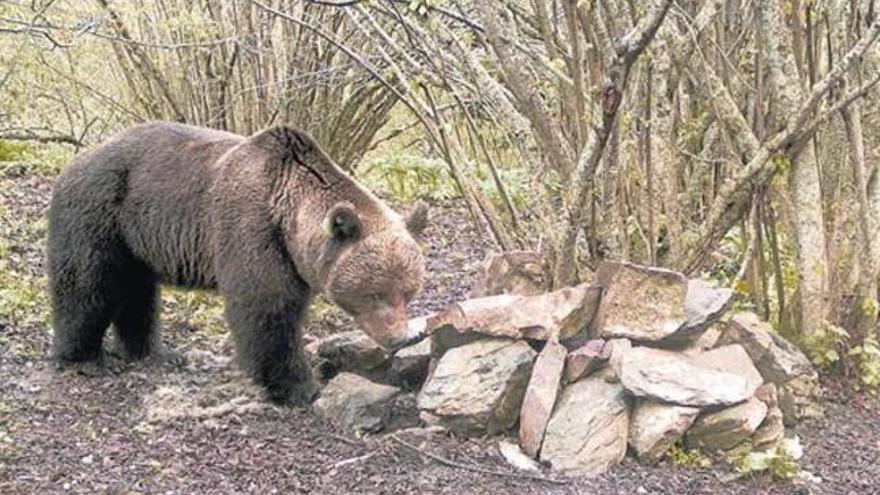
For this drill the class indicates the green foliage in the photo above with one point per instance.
(23, 299)
(867, 360)
(782, 163)
(13, 151)
(828, 347)
(823, 348)
(321, 308)
(8, 449)
(18, 159)
(199, 309)
(781, 462)
(691, 131)
(409, 177)
(516, 182)
(682, 456)
(421, 7)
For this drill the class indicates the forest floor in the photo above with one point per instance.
(154, 427)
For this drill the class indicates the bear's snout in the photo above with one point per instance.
(388, 326)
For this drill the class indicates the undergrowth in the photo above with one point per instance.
(682, 456)
(407, 177)
(781, 462)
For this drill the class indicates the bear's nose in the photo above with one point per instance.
(387, 326)
(415, 333)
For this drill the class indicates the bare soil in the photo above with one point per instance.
(154, 427)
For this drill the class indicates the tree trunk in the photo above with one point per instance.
(804, 182)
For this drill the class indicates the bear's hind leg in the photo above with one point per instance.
(268, 341)
(81, 315)
(134, 322)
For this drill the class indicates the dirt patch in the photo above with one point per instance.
(198, 428)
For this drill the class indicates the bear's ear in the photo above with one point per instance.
(417, 219)
(342, 223)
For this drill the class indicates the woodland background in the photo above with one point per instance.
(735, 139)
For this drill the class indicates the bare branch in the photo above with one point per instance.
(40, 137)
(633, 43)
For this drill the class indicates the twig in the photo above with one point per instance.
(352, 460)
(344, 439)
(475, 468)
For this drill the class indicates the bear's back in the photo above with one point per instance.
(164, 214)
(151, 184)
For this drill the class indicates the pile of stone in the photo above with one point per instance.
(641, 359)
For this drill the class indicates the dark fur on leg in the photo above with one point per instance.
(83, 303)
(135, 320)
(267, 341)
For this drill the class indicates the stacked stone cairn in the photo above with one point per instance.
(636, 360)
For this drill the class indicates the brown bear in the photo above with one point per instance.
(266, 220)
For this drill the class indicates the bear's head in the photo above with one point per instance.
(377, 270)
(343, 240)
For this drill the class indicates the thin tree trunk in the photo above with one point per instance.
(804, 181)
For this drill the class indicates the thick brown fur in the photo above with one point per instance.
(266, 220)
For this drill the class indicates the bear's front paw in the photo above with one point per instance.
(298, 394)
(304, 393)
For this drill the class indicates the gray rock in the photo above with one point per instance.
(640, 303)
(356, 403)
(731, 359)
(588, 431)
(727, 428)
(516, 458)
(409, 365)
(667, 376)
(703, 342)
(585, 359)
(767, 393)
(770, 433)
(540, 396)
(779, 362)
(564, 313)
(799, 399)
(704, 304)
(777, 359)
(656, 426)
(619, 348)
(512, 272)
(352, 351)
(478, 388)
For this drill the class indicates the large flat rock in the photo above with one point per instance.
(565, 313)
(588, 431)
(478, 388)
(640, 303)
(541, 396)
(731, 359)
(672, 377)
